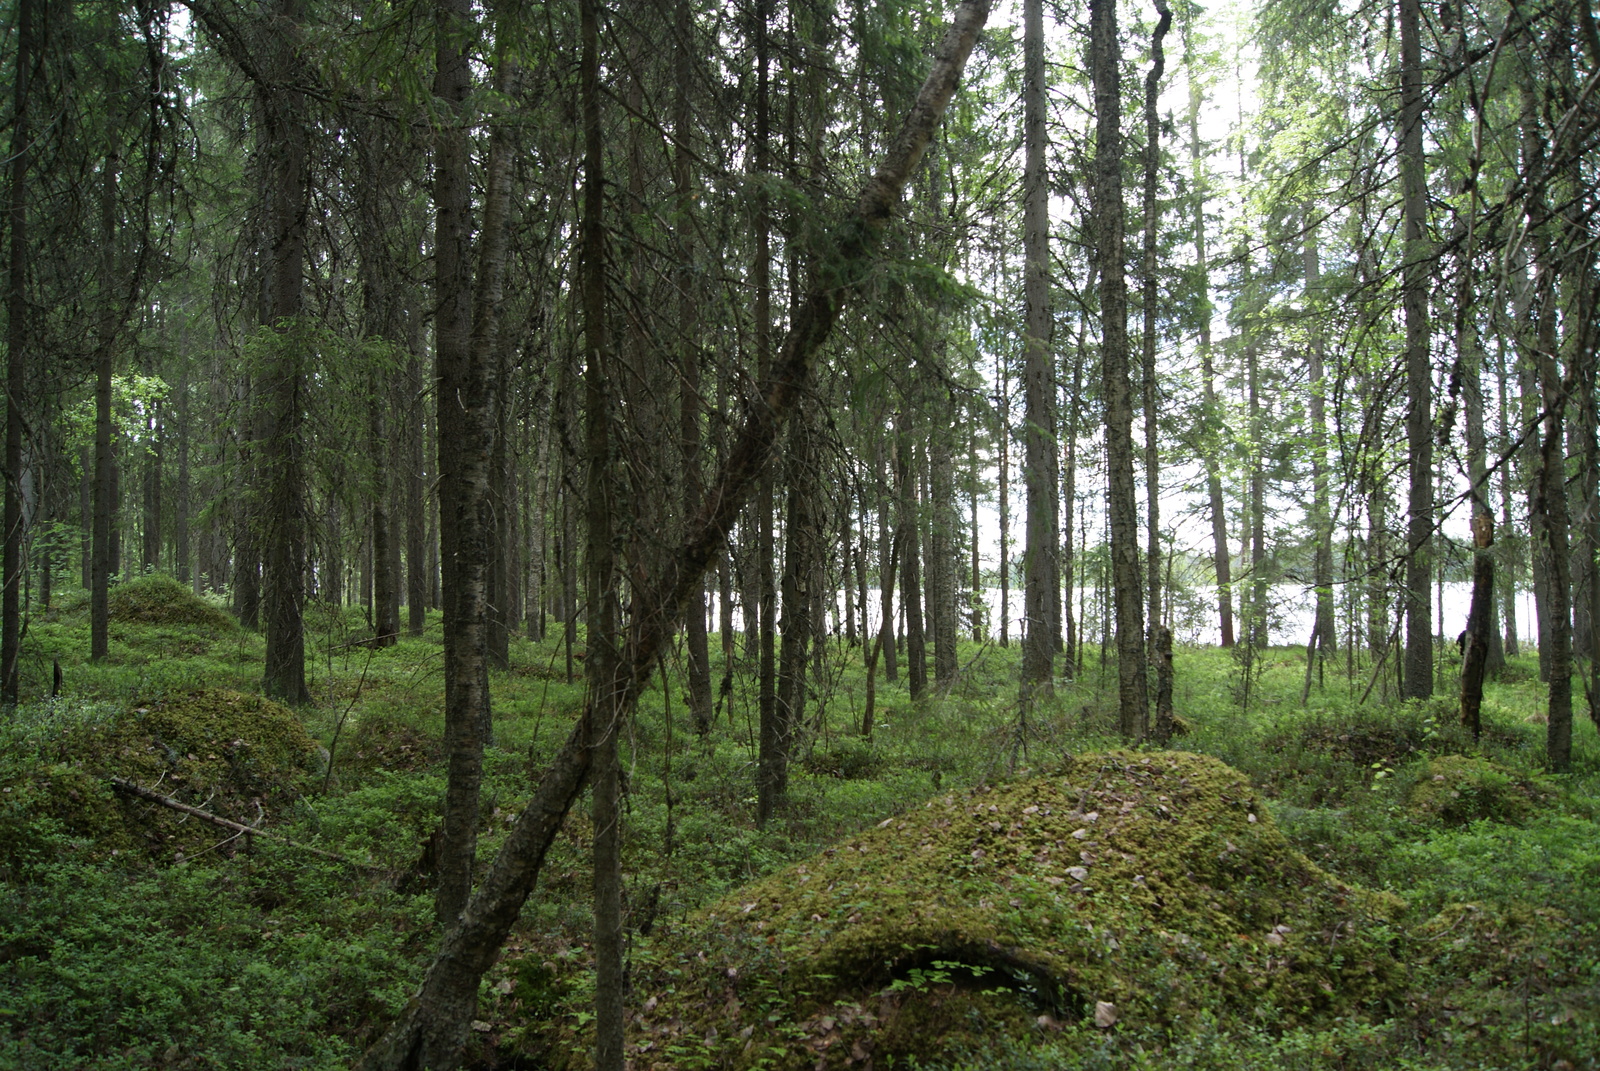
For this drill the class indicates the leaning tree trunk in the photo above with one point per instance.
(432, 1030)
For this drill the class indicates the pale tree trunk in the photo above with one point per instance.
(1107, 211)
(1419, 367)
(1041, 584)
(1221, 556)
(432, 1030)
(1003, 435)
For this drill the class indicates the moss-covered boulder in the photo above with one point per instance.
(236, 755)
(1458, 789)
(158, 599)
(1128, 887)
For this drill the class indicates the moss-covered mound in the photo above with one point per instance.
(1457, 789)
(158, 599)
(1128, 887)
(237, 756)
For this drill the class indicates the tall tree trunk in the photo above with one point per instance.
(1419, 366)
(462, 470)
(1326, 639)
(1003, 437)
(284, 520)
(1041, 583)
(1107, 211)
(690, 407)
(1152, 218)
(1221, 556)
(16, 355)
(105, 480)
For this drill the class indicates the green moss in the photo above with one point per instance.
(234, 754)
(1456, 790)
(158, 599)
(1153, 882)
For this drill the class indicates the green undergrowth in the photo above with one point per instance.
(1436, 892)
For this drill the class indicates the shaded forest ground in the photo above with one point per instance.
(132, 936)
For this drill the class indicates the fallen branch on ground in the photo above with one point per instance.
(143, 793)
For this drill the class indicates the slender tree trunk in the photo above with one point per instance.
(461, 394)
(1003, 435)
(906, 535)
(105, 498)
(1041, 581)
(803, 533)
(416, 502)
(1107, 210)
(17, 350)
(1508, 558)
(607, 706)
(1419, 366)
(1327, 635)
(1152, 219)
(1221, 556)
(181, 538)
(943, 554)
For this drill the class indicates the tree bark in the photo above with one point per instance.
(16, 356)
(1041, 581)
(907, 538)
(1152, 218)
(1107, 210)
(461, 392)
(690, 406)
(284, 520)
(1419, 366)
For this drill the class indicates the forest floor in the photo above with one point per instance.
(136, 936)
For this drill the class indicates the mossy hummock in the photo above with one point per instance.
(1127, 887)
(232, 753)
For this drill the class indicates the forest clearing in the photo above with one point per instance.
(798, 535)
